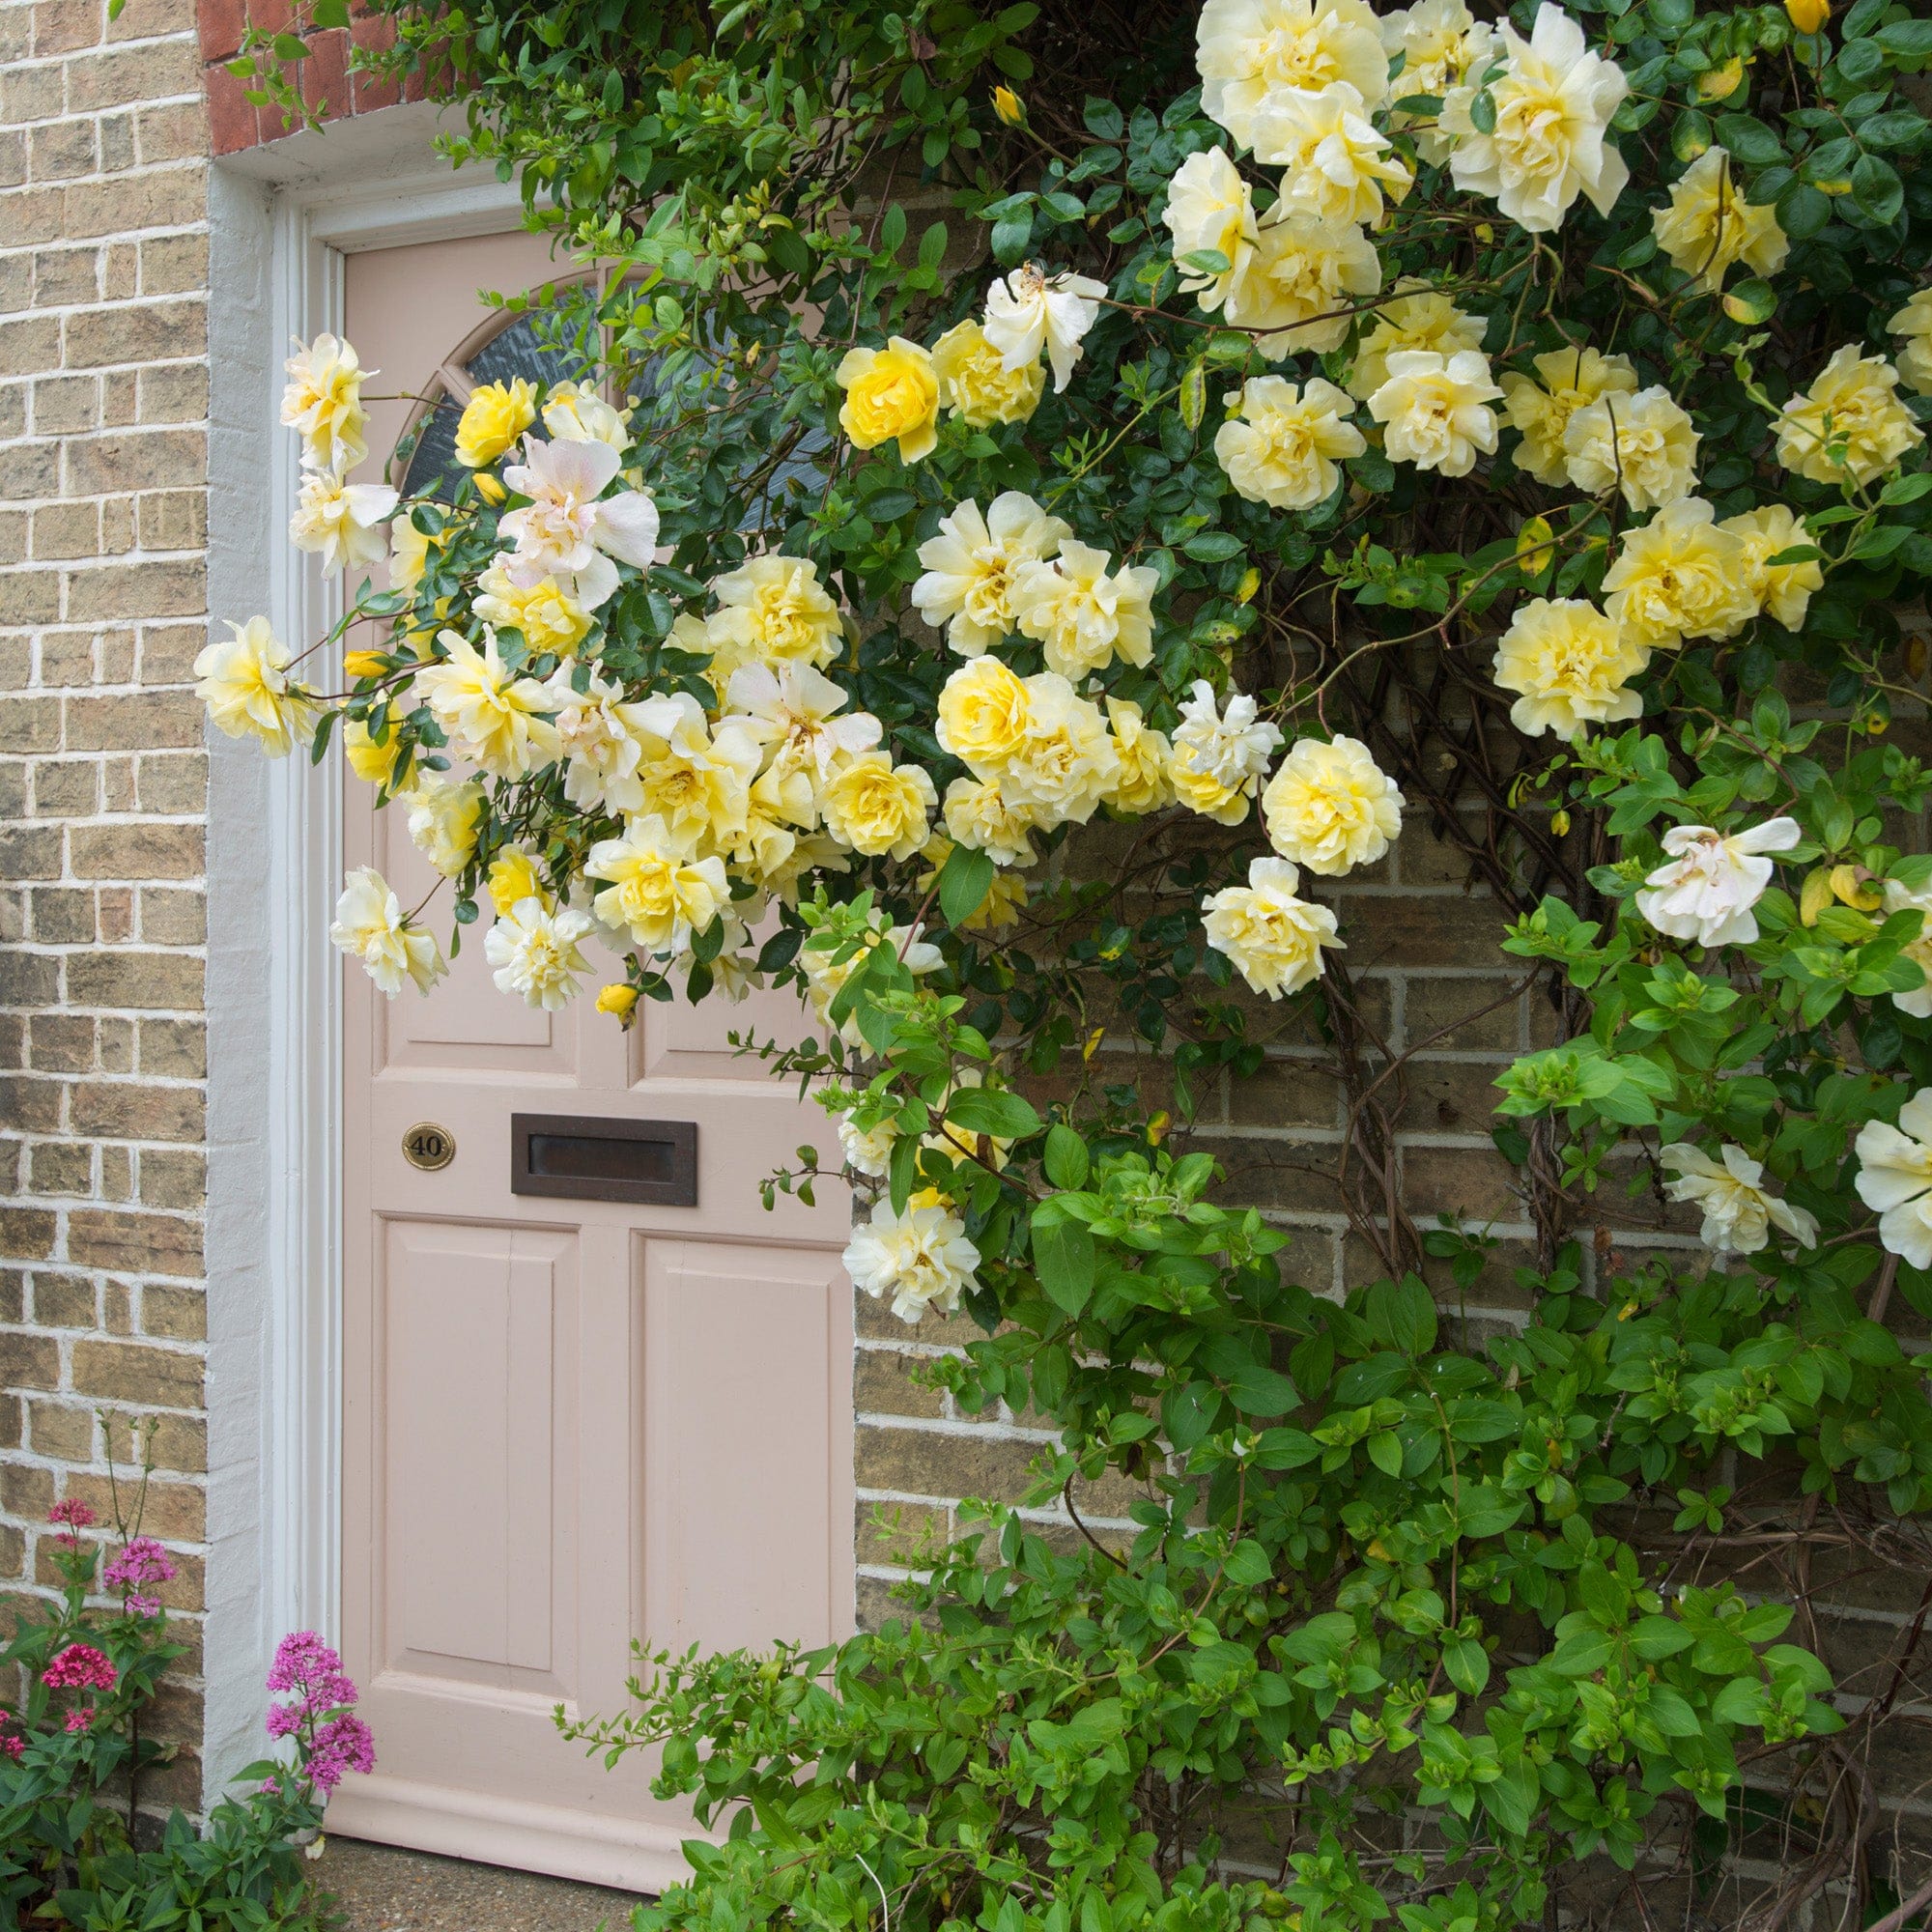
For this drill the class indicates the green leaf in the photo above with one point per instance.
(1257, 1390)
(991, 1110)
(1066, 1160)
(1064, 1258)
(964, 881)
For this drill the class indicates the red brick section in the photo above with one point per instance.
(235, 124)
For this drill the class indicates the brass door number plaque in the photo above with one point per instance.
(429, 1147)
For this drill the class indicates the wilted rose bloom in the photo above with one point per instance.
(1738, 1210)
(1219, 756)
(1709, 883)
(1029, 312)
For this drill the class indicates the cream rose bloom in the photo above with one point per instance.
(867, 1150)
(570, 529)
(1917, 999)
(1028, 313)
(877, 807)
(1209, 208)
(1739, 1209)
(574, 413)
(694, 775)
(600, 737)
(535, 952)
(1416, 318)
(493, 417)
(322, 404)
(1782, 590)
(1570, 380)
(1913, 323)
(1708, 225)
(1337, 166)
(1274, 937)
(1145, 757)
(1437, 410)
(1064, 762)
(243, 679)
(1250, 52)
(890, 394)
(491, 717)
(442, 819)
(542, 614)
(1680, 576)
(1554, 100)
(1642, 444)
(1895, 1178)
(979, 818)
(1572, 667)
(1706, 887)
(973, 563)
(370, 928)
(1284, 446)
(341, 522)
(1439, 41)
(656, 892)
(1085, 614)
(772, 609)
(916, 1260)
(793, 712)
(975, 383)
(1297, 282)
(1330, 807)
(1219, 756)
(1850, 425)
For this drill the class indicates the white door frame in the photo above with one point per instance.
(281, 221)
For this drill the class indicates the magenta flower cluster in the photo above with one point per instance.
(141, 1564)
(337, 1741)
(78, 1667)
(70, 1515)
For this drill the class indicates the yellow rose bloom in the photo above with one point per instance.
(656, 893)
(1569, 663)
(1209, 210)
(617, 1000)
(1850, 425)
(1913, 322)
(1330, 807)
(975, 383)
(541, 613)
(1680, 576)
(1418, 318)
(322, 404)
(877, 807)
(1006, 898)
(1274, 937)
(1708, 225)
(983, 716)
(771, 611)
(1146, 760)
(1297, 282)
(1065, 763)
(442, 822)
(409, 554)
(1250, 52)
(1571, 380)
(972, 563)
(513, 878)
(493, 417)
(1084, 614)
(1284, 446)
(388, 763)
(891, 392)
(244, 681)
(490, 716)
(1642, 444)
(979, 818)
(1336, 164)
(1436, 410)
(1784, 589)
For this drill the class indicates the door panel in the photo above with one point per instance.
(567, 1423)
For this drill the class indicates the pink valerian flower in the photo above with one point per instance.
(71, 1514)
(79, 1668)
(141, 1562)
(81, 1717)
(342, 1745)
(284, 1720)
(301, 1658)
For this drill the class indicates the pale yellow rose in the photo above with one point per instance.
(339, 522)
(1209, 209)
(1440, 42)
(513, 877)
(877, 807)
(1145, 757)
(244, 682)
(1850, 425)
(409, 555)
(322, 404)
(1572, 379)
(1782, 590)
(493, 417)
(1643, 446)
(390, 763)
(1274, 937)
(1064, 762)
(983, 716)
(489, 715)
(1005, 901)
(371, 927)
(1416, 317)
(442, 820)
(1251, 51)
(975, 383)
(972, 565)
(1337, 166)
(574, 413)
(771, 611)
(1708, 225)
(891, 393)
(1913, 322)
(1436, 410)
(1330, 807)
(656, 893)
(541, 613)
(1680, 576)
(1085, 614)
(1571, 666)
(979, 818)
(1299, 282)
(692, 776)
(1285, 445)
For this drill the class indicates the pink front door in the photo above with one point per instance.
(569, 1423)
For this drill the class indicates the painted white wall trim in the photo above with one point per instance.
(281, 220)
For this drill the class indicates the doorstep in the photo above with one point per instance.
(379, 1889)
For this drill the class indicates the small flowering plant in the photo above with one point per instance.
(1295, 425)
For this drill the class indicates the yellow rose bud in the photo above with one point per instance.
(891, 392)
(1008, 107)
(617, 1000)
(1808, 16)
(493, 417)
(489, 489)
(365, 663)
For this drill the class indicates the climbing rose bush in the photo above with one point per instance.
(1007, 638)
